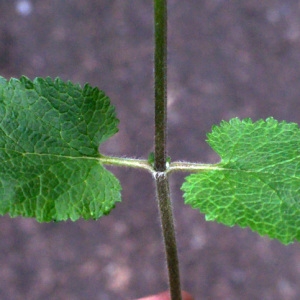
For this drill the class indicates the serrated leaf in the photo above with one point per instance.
(50, 132)
(257, 182)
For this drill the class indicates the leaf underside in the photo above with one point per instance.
(50, 132)
(258, 181)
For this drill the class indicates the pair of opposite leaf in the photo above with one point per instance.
(50, 132)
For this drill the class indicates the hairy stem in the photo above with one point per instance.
(126, 162)
(160, 83)
(167, 222)
(160, 155)
(146, 165)
(192, 167)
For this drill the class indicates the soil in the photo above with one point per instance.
(226, 59)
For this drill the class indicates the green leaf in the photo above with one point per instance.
(257, 182)
(50, 132)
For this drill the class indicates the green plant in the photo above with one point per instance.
(51, 130)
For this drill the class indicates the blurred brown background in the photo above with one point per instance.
(226, 59)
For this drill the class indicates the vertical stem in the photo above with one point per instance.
(167, 222)
(160, 83)
(161, 178)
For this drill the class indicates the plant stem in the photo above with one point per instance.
(168, 229)
(160, 155)
(144, 164)
(192, 167)
(160, 83)
(126, 162)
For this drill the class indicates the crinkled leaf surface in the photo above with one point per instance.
(257, 182)
(50, 132)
